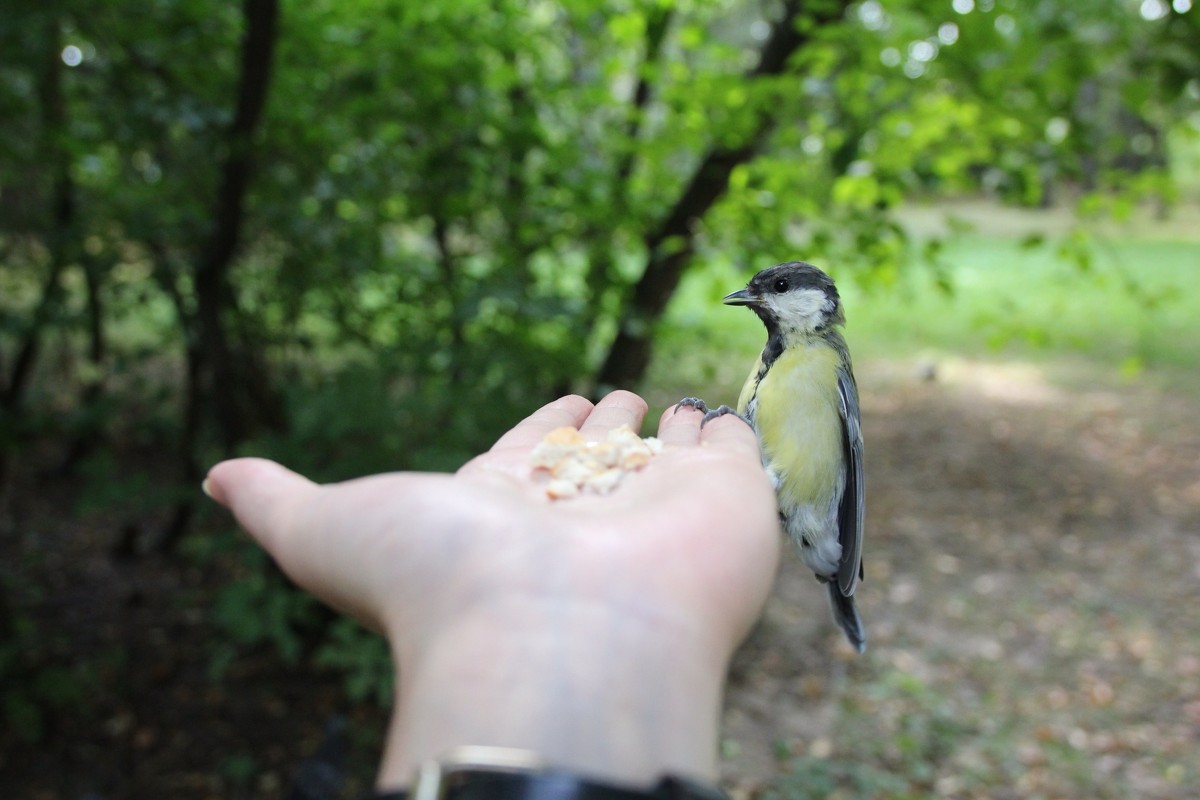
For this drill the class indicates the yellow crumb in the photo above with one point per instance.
(576, 465)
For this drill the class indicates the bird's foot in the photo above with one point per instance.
(720, 411)
(702, 407)
(692, 402)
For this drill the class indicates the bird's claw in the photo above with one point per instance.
(720, 411)
(702, 407)
(692, 402)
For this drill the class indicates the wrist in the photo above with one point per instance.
(605, 692)
(487, 773)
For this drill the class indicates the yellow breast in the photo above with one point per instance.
(798, 422)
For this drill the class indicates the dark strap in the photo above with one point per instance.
(557, 785)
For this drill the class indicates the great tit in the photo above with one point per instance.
(802, 402)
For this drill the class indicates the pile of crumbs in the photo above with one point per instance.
(577, 465)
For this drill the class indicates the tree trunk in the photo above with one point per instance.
(602, 258)
(189, 432)
(234, 383)
(85, 439)
(61, 221)
(226, 375)
(669, 246)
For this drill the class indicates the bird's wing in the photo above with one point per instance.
(852, 509)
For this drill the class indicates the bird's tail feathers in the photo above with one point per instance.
(846, 616)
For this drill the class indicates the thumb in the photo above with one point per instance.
(277, 507)
(260, 493)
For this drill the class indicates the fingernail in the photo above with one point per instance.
(206, 487)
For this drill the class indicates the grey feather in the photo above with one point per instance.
(852, 510)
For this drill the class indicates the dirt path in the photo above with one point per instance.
(1032, 598)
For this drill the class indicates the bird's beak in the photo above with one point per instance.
(742, 297)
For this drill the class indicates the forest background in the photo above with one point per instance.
(370, 235)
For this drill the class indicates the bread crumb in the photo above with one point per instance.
(576, 466)
(559, 489)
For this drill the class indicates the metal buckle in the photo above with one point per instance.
(432, 776)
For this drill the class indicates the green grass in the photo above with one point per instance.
(1137, 302)
(1011, 291)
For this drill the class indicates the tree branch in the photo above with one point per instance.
(601, 258)
(670, 244)
(657, 23)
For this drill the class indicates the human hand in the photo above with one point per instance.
(595, 630)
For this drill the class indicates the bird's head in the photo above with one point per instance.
(791, 298)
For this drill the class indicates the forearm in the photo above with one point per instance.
(613, 696)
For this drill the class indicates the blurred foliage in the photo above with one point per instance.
(37, 679)
(362, 658)
(369, 235)
(254, 609)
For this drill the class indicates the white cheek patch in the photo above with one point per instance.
(802, 309)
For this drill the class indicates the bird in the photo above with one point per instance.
(801, 399)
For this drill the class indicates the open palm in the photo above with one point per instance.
(480, 572)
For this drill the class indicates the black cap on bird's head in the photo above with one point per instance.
(793, 297)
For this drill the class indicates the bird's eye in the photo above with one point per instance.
(780, 286)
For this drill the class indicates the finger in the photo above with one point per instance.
(289, 516)
(569, 411)
(616, 409)
(261, 494)
(730, 432)
(680, 425)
